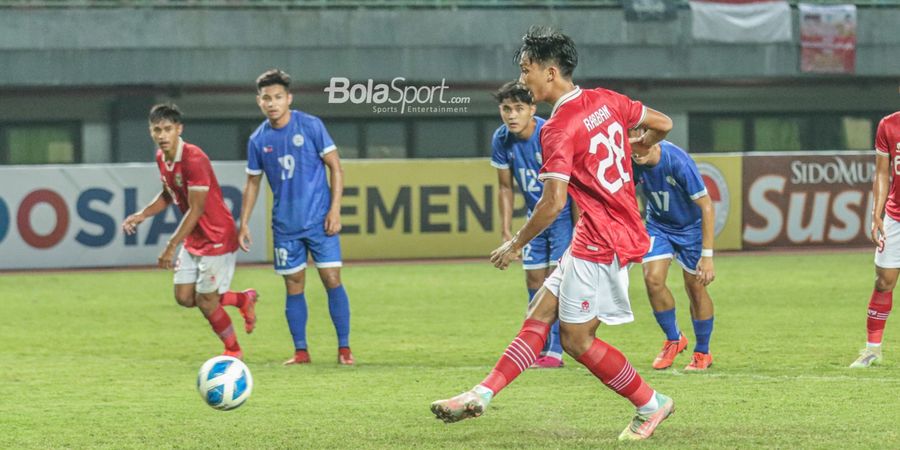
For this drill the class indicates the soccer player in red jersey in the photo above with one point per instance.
(587, 153)
(205, 263)
(885, 234)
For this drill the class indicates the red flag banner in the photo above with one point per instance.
(741, 21)
(828, 38)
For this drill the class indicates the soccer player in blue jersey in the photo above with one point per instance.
(681, 224)
(293, 149)
(517, 155)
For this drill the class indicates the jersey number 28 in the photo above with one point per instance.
(614, 141)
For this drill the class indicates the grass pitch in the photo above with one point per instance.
(108, 360)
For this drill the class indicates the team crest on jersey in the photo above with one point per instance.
(178, 179)
(298, 140)
(585, 306)
(268, 149)
(717, 189)
(671, 180)
(538, 157)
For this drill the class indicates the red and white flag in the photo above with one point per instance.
(741, 21)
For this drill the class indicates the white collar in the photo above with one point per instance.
(171, 166)
(565, 98)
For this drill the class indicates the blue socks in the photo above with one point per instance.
(666, 321)
(296, 313)
(339, 307)
(703, 330)
(531, 293)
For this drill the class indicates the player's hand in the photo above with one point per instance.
(131, 222)
(244, 239)
(706, 272)
(877, 235)
(333, 222)
(638, 147)
(505, 254)
(165, 258)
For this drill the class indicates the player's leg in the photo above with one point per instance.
(326, 253)
(536, 262)
(598, 292)
(519, 355)
(687, 252)
(656, 269)
(214, 277)
(184, 279)
(887, 268)
(290, 263)
(702, 317)
(245, 301)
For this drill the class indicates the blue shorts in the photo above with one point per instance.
(291, 255)
(684, 245)
(546, 248)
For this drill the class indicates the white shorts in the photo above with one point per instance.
(888, 256)
(587, 290)
(209, 273)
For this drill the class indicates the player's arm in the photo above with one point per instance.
(251, 192)
(333, 218)
(552, 201)
(706, 271)
(880, 188)
(576, 211)
(158, 205)
(196, 207)
(505, 198)
(656, 126)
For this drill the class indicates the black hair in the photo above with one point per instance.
(514, 91)
(165, 111)
(273, 77)
(545, 45)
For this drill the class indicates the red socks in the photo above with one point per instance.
(232, 298)
(221, 324)
(610, 366)
(879, 309)
(519, 356)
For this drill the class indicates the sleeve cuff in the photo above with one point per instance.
(198, 188)
(328, 150)
(643, 116)
(702, 193)
(254, 171)
(497, 165)
(882, 152)
(556, 175)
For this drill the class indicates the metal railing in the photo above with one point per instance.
(321, 4)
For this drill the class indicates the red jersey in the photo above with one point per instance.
(887, 142)
(215, 233)
(585, 143)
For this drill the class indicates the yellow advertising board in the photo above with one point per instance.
(420, 209)
(722, 176)
(447, 208)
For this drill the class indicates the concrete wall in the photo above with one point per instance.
(230, 47)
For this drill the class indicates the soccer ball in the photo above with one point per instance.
(224, 382)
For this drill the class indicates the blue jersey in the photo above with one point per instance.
(291, 157)
(523, 158)
(670, 188)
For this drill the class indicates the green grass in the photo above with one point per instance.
(108, 360)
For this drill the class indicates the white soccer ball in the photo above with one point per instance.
(224, 382)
